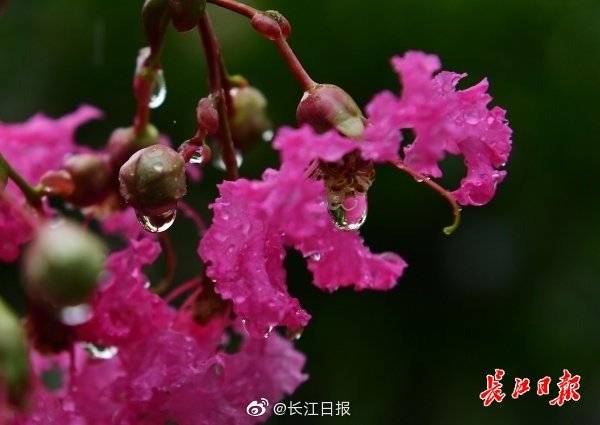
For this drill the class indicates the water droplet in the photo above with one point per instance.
(159, 90)
(352, 213)
(266, 335)
(200, 155)
(159, 223)
(220, 164)
(316, 256)
(75, 315)
(472, 117)
(101, 352)
(267, 136)
(158, 168)
(295, 335)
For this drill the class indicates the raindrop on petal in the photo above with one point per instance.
(158, 223)
(351, 214)
(101, 352)
(159, 90)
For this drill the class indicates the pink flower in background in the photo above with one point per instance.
(33, 148)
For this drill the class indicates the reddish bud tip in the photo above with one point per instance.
(207, 115)
(57, 183)
(326, 107)
(153, 180)
(91, 176)
(62, 265)
(271, 24)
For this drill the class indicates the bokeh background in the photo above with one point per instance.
(516, 287)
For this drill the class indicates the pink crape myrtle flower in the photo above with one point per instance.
(168, 367)
(33, 148)
(255, 220)
(445, 121)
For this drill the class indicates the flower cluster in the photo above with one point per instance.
(102, 343)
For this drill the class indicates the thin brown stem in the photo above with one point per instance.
(294, 64)
(31, 194)
(292, 61)
(183, 288)
(191, 213)
(214, 60)
(237, 7)
(171, 262)
(456, 210)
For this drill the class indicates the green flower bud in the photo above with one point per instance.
(153, 180)
(326, 107)
(14, 364)
(91, 175)
(124, 142)
(250, 120)
(62, 265)
(186, 13)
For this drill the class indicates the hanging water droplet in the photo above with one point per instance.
(159, 90)
(220, 164)
(101, 352)
(352, 213)
(75, 315)
(200, 155)
(158, 223)
(295, 335)
(267, 135)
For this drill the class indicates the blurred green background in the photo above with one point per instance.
(516, 287)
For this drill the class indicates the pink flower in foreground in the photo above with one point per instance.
(255, 220)
(33, 148)
(167, 368)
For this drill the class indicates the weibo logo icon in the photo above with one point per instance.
(257, 407)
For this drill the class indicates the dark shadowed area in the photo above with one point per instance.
(516, 287)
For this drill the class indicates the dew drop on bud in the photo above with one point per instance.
(198, 157)
(158, 223)
(101, 352)
(351, 213)
(159, 90)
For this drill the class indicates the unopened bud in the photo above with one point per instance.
(123, 143)
(186, 13)
(271, 24)
(250, 120)
(153, 180)
(14, 365)
(326, 107)
(207, 115)
(57, 183)
(62, 265)
(91, 175)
